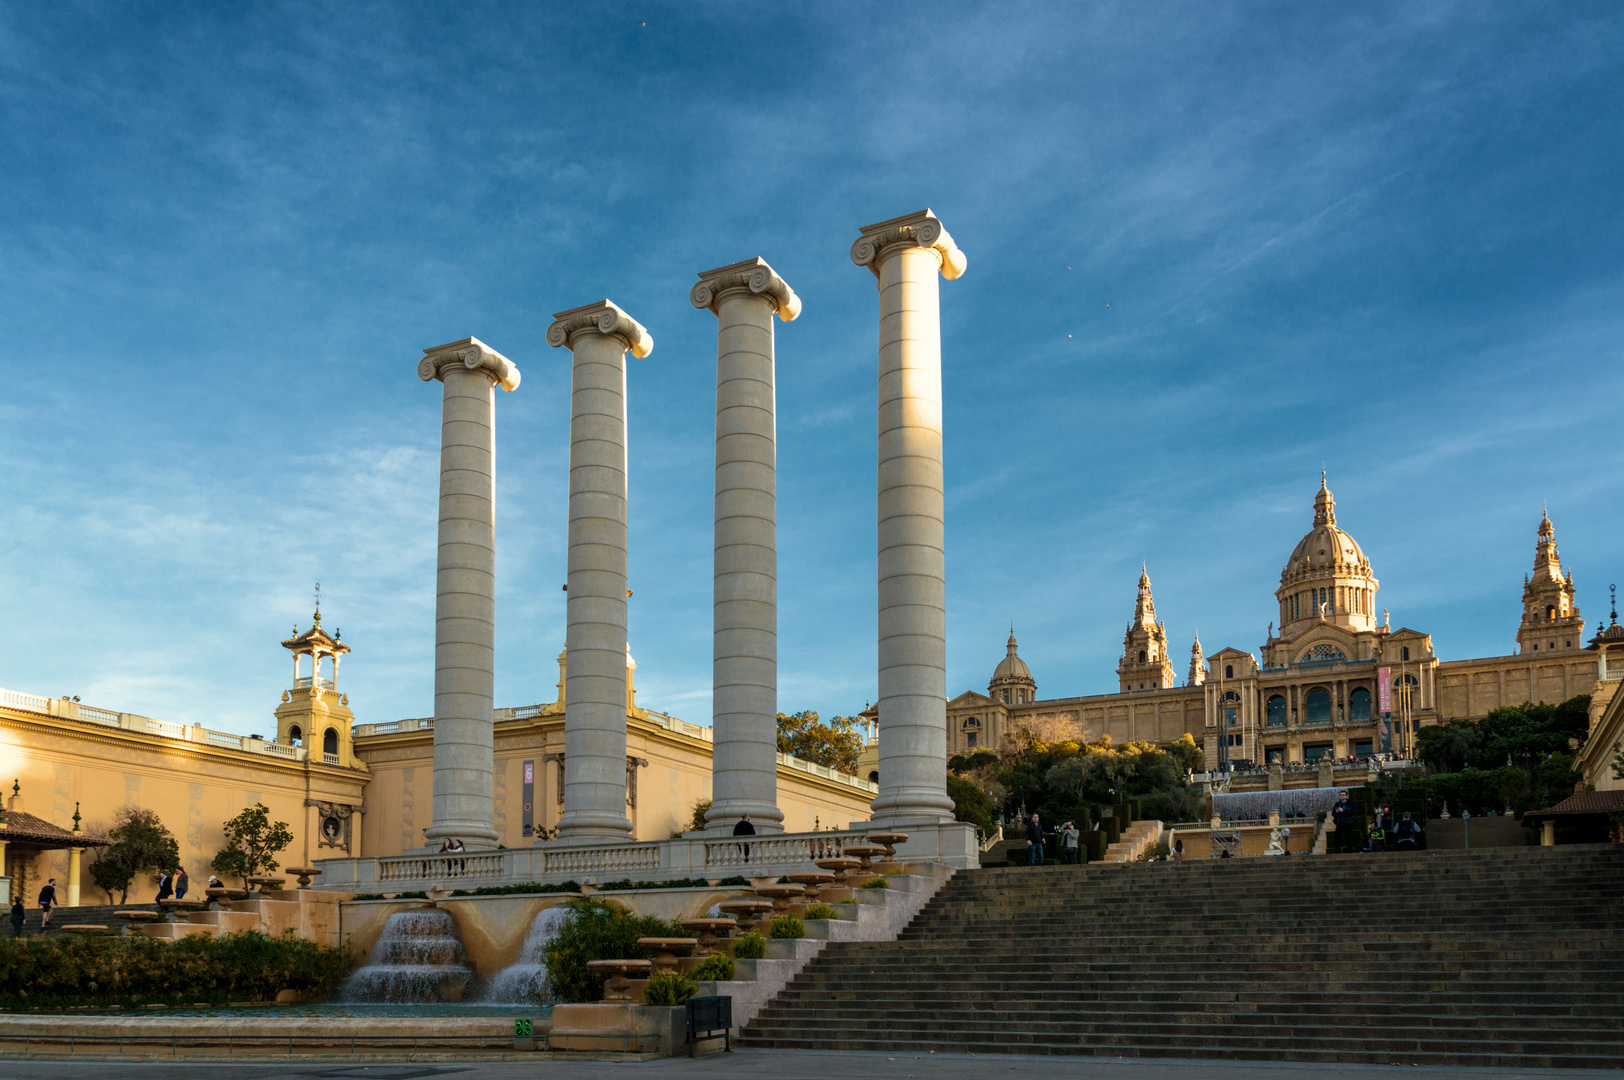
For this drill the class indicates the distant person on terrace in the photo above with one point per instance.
(1034, 842)
(744, 828)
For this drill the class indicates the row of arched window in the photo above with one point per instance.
(329, 739)
(1331, 599)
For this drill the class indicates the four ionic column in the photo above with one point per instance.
(905, 255)
(595, 699)
(744, 765)
(465, 595)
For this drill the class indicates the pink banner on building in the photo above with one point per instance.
(1384, 689)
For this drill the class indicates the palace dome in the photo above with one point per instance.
(1325, 547)
(1011, 666)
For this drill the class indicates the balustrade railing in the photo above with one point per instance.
(456, 866)
(602, 860)
(776, 850)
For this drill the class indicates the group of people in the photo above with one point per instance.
(1405, 833)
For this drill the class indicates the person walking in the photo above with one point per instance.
(1342, 825)
(1178, 849)
(1406, 833)
(744, 828)
(47, 901)
(182, 883)
(1034, 842)
(1069, 836)
(18, 917)
(166, 886)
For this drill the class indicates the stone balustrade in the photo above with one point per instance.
(695, 856)
(68, 709)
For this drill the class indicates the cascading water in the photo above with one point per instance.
(525, 981)
(417, 958)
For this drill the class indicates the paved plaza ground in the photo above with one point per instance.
(765, 1065)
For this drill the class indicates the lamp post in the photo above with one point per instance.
(1466, 826)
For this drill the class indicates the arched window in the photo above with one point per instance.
(1006, 697)
(1359, 704)
(1277, 711)
(1317, 707)
(1550, 611)
(1324, 652)
(972, 728)
(329, 742)
(1141, 656)
(295, 736)
(1229, 671)
(874, 778)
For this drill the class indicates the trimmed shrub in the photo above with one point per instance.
(751, 946)
(597, 930)
(508, 890)
(736, 879)
(1093, 842)
(786, 926)
(877, 883)
(663, 989)
(133, 970)
(717, 968)
(1113, 829)
(822, 911)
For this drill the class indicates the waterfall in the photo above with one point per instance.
(525, 982)
(417, 958)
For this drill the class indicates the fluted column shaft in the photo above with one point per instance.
(465, 591)
(595, 691)
(744, 710)
(906, 254)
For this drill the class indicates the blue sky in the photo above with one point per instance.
(1212, 249)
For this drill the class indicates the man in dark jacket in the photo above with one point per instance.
(1034, 842)
(18, 917)
(1342, 817)
(47, 901)
(1407, 833)
(744, 828)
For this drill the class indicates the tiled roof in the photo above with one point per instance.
(28, 829)
(1583, 802)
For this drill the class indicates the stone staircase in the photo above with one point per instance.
(1500, 958)
(85, 915)
(1136, 839)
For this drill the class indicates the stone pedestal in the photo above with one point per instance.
(905, 255)
(465, 596)
(744, 778)
(595, 698)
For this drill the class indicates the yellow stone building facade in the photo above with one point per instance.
(1313, 688)
(344, 789)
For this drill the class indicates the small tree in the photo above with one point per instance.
(835, 744)
(253, 841)
(140, 845)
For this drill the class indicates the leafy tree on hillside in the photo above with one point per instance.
(140, 845)
(253, 841)
(836, 744)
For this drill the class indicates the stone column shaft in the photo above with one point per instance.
(465, 594)
(744, 711)
(595, 694)
(905, 255)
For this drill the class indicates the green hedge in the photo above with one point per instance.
(507, 890)
(1113, 829)
(675, 883)
(1093, 842)
(134, 969)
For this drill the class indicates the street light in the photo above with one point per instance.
(1466, 826)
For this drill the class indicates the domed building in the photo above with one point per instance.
(1335, 680)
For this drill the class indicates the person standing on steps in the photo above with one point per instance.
(1034, 842)
(182, 883)
(1178, 849)
(744, 828)
(1406, 833)
(47, 901)
(166, 886)
(18, 917)
(1342, 825)
(1069, 835)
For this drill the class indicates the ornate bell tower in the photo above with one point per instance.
(1550, 620)
(1145, 664)
(313, 713)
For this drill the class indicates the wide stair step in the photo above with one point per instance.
(1505, 958)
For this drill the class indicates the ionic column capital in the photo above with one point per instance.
(920, 229)
(751, 274)
(604, 318)
(472, 354)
